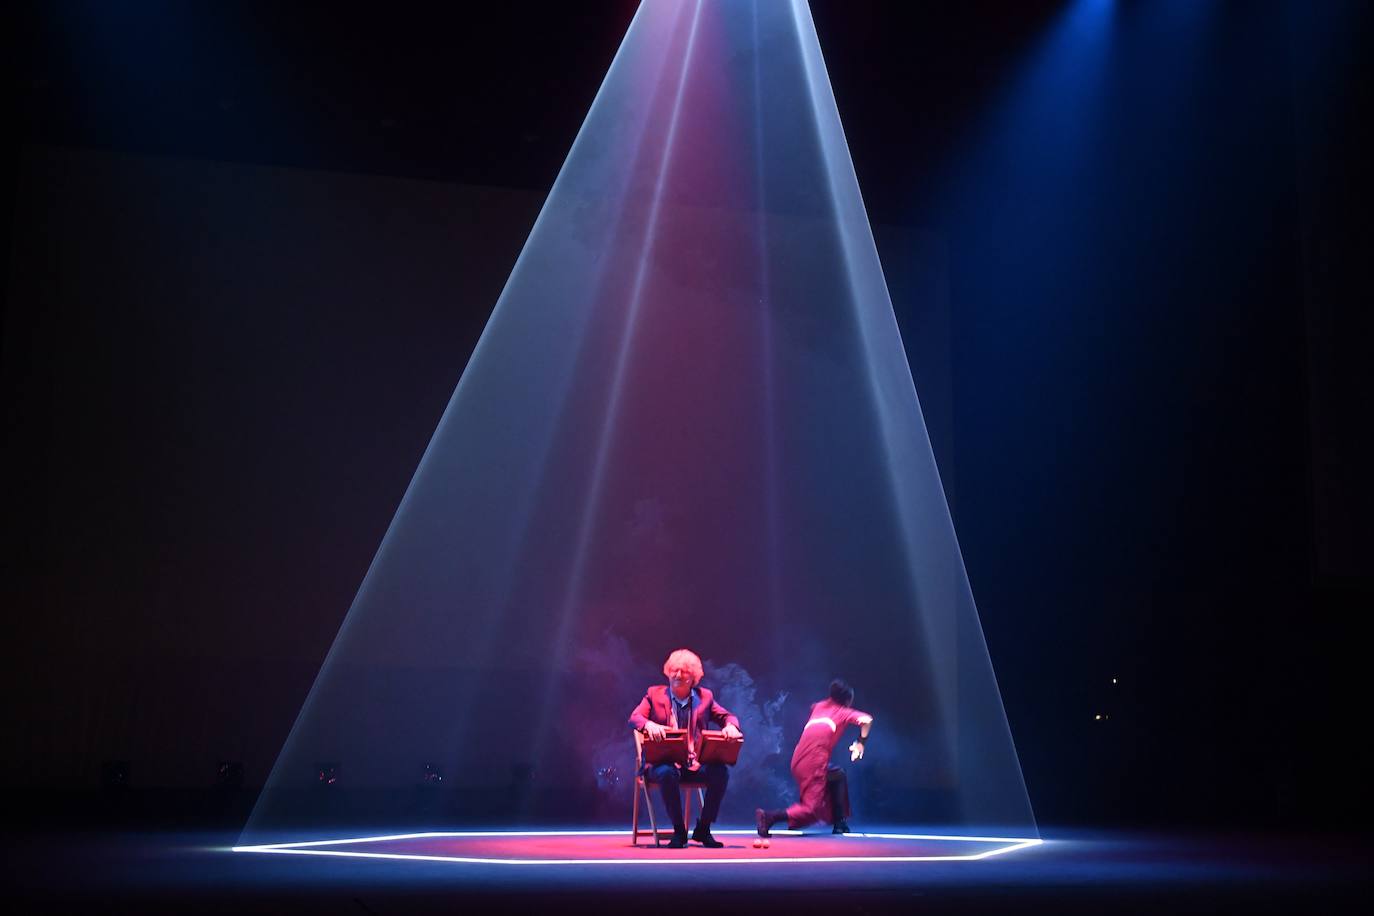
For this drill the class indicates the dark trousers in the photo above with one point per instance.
(670, 779)
(837, 785)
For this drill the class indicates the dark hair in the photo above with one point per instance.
(841, 692)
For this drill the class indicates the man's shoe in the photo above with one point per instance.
(761, 821)
(703, 836)
(679, 840)
(841, 826)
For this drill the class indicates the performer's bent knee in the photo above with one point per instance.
(665, 774)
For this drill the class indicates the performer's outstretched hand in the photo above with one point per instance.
(729, 731)
(856, 751)
(655, 731)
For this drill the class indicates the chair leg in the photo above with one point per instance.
(634, 818)
(649, 807)
(687, 803)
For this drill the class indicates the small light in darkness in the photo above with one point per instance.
(229, 774)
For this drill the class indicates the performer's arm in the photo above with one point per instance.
(641, 713)
(639, 719)
(856, 750)
(731, 729)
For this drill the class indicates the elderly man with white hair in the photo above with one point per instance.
(684, 703)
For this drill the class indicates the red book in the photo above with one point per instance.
(672, 749)
(716, 748)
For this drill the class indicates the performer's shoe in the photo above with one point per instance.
(703, 836)
(841, 826)
(679, 840)
(761, 821)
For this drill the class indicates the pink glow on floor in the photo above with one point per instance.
(591, 847)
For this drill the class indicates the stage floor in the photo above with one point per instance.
(614, 847)
(1071, 872)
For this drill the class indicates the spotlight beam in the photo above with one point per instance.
(486, 639)
(909, 461)
(769, 395)
(591, 503)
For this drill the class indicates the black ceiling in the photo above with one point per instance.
(491, 94)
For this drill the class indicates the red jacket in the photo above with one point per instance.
(657, 706)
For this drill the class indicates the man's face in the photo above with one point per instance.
(680, 680)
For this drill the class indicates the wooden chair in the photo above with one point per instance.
(642, 791)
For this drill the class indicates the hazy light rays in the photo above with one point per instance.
(478, 366)
(934, 565)
(591, 503)
(843, 203)
(603, 292)
(689, 418)
(891, 391)
(769, 396)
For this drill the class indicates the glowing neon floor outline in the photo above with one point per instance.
(312, 847)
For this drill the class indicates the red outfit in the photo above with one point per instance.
(657, 706)
(811, 761)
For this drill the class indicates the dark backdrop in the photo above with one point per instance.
(253, 246)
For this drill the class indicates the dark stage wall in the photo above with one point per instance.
(226, 375)
(1146, 378)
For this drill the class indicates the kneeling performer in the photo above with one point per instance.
(824, 791)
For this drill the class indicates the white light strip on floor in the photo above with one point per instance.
(311, 848)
